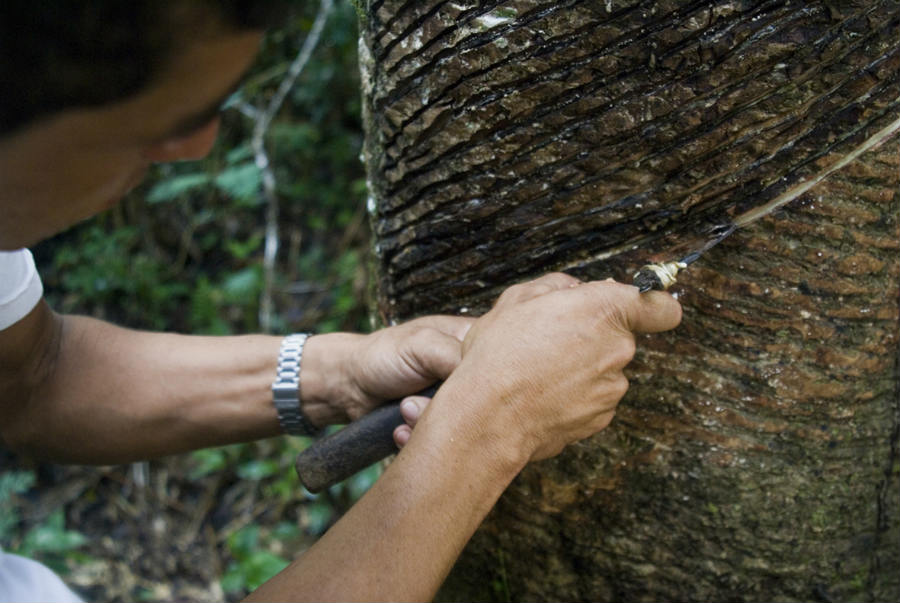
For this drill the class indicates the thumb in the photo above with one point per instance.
(649, 312)
(652, 312)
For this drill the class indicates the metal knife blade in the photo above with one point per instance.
(661, 276)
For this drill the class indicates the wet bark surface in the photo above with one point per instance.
(756, 455)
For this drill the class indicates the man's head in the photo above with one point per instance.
(97, 90)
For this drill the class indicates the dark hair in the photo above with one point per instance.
(59, 54)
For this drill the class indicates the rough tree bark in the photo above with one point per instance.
(756, 455)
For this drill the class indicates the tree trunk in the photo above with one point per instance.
(756, 454)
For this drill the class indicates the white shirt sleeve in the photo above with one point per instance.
(20, 286)
(23, 580)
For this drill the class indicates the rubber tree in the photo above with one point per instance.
(755, 456)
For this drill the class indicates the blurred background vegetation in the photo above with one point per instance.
(184, 252)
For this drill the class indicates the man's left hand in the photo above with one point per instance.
(356, 373)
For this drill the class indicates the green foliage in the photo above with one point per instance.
(48, 541)
(356, 485)
(258, 469)
(257, 550)
(206, 303)
(109, 274)
(177, 186)
(214, 460)
(242, 250)
(241, 182)
(52, 543)
(11, 484)
(359, 7)
(242, 287)
(318, 516)
(253, 564)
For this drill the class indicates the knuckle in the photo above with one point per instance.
(511, 293)
(603, 420)
(610, 307)
(618, 317)
(559, 279)
(423, 335)
(615, 386)
(596, 424)
(415, 340)
(414, 323)
(539, 286)
(623, 352)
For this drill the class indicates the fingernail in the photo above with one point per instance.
(409, 410)
(402, 437)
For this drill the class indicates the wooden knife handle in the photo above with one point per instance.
(361, 443)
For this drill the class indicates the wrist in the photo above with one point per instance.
(286, 394)
(325, 384)
(463, 417)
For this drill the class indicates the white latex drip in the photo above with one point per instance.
(792, 193)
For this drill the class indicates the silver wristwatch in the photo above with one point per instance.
(286, 388)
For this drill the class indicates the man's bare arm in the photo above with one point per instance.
(401, 539)
(76, 389)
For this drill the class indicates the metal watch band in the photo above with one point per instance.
(286, 387)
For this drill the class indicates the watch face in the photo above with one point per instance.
(285, 392)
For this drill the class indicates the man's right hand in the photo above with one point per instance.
(544, 368)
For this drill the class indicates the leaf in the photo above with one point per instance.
(172, 188)
(242, 286)
(52, 537)
(286, 530)
(238, 154)
(205, 300)
(241, 250)
(261, 566)
(300, 137)
(243, 542)
(359, 484)
(12, 483)
(317, 516)
(242, 182)
(257, 469)
(15, 482)
(233, 580)
(208, 461)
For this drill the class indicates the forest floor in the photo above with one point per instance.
(183, 528)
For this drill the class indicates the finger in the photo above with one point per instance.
(455, 326)
(402, 433)
(649, 312)
(432, 353)
(412, 407)
(553, 281)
